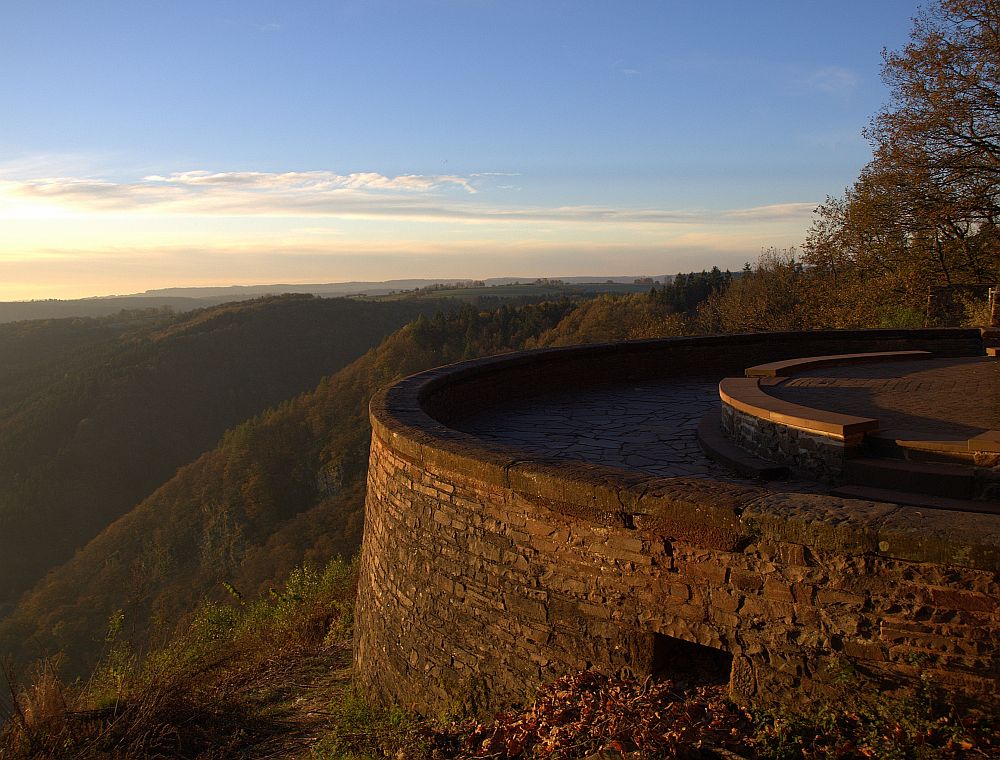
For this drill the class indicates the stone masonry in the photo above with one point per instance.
(488, 569)
(812, 454)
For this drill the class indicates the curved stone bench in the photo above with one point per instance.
(746, 395)
(487, 568)
(816, 442)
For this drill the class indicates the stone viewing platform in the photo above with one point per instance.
(543, 512)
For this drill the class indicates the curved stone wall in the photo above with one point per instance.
(490, 569)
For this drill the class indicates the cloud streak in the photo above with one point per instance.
(834, 80)
(360, 195)
(315, 181)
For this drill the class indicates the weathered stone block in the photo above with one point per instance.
(826, 597)
(864, 650)
(708, 573)
(725, 601)
(746, 581)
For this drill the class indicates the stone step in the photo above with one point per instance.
(718, 446)
(932, 478)
(931, 452)
(916, 499)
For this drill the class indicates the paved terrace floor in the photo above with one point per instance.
(930, 399)
(650, 428)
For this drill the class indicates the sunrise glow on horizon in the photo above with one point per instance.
(251, 143)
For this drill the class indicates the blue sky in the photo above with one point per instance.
(152, 143)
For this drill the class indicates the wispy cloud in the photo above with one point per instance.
(834, 80)
(623, 67)
(72, 236)
(311, 181)
(59, 164)
(772, 211)
(351, 196)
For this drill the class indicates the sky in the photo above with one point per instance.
(157, 143)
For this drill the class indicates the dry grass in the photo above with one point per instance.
(231, 685)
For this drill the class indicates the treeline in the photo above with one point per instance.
(925, 210)
(471, 332)
(686, 292)
(668, 309)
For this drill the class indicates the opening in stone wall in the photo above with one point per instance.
(680, 660)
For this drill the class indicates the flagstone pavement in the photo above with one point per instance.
(649, 427)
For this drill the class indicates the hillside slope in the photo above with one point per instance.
(283, 487)
(95, 414)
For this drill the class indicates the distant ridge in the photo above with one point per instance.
(365, 287)
(16, 311)
(183, 299)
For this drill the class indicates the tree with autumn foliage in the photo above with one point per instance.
(926, 209)
(940, 136)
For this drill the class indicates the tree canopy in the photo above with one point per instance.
(925, 210)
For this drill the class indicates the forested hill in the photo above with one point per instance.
(281, 488)
(96, 413)
(288, 485)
